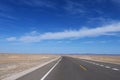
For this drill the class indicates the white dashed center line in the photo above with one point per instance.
(97, 64)
(101, 65)
(116, 69)
(107, 67)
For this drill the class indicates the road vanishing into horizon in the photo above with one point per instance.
(67, 68)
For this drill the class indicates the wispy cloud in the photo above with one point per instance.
(116, 2)
(11, 39)
(74, 7)
(7, 16)
(88, 42)
(99, 42)
(5, 12)
(38, 3)
(107, 30)
(83, 7)
(101, 20)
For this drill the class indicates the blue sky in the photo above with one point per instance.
(60, 26)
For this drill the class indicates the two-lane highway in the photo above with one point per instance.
(67, 68)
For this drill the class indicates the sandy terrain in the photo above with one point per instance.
(103, 58)
(14, 63)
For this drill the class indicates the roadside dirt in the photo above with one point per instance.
(14, 63)
(106, 58)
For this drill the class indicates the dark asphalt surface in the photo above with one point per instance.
(39, 73)
(108, 64)
(75, 69)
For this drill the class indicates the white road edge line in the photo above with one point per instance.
(51, 69)
(18, 75)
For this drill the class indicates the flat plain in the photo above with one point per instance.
(13, 63)
(115, 59)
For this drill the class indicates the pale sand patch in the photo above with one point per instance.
(102, 58)
(20, 74)
(14, 63)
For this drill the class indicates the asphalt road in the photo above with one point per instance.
(67, 68)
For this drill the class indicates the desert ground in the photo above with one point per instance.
(115, 59)
(14, 63)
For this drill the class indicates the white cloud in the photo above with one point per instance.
(107, 30)
(11, 39)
